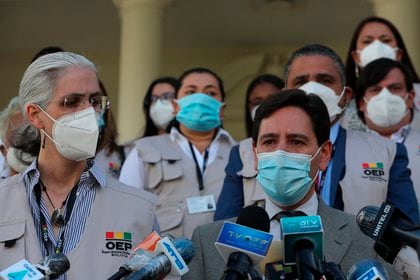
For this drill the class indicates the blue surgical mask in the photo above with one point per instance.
(100, 119)
(199, 112)
(285, 177)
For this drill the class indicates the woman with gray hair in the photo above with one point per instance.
(59, 203)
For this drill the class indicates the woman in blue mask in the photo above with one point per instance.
(185, 167)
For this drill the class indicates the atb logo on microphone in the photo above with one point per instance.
(373, 171)
(118, 244)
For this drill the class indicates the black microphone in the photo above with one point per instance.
(138, 260)
(172, 259)
(51, 267)
(239, 264)
(54, 266)
(390, 228)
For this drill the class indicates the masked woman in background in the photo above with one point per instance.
(185, 167)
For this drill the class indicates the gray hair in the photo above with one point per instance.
(12, 109)
(312, 50)
(37, 87)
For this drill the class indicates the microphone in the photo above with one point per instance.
(245, 243)
(390, 228)
(51, 267)
(139, 257)
(303, 244)
(173, 258)
(367, 269)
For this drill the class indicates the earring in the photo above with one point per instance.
(43, 142)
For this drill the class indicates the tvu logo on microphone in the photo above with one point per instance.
(248, 238)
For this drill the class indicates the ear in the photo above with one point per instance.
(175, 106)
(410, 99)
(33, 113)
(355, 57)
(398, 55)
(222, 111)
(362, 105)
(254, 149)
(325, 155)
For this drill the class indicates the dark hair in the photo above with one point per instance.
(259, 80)
(201, 70)
(310, 103)
(46, 50)
(109, 133)
(374, 73)
(351, 65)
(151, 129)
(312, 50)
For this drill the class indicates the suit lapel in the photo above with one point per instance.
(337, 237)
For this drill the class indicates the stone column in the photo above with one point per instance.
(405, 15)
(140, 51)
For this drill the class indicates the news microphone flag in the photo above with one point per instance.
(22, 270)
(295, 229)
(238, 238)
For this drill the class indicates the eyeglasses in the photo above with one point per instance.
(167, 96)
(98, 102)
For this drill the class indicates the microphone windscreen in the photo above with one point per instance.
(254, 217)
(54, 265)
(366, 218)
(185, 248)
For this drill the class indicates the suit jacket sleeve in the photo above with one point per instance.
(231, 199)
(400, 187)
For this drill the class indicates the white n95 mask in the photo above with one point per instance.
(161, 113)
(327, 95)
(386, 109)
(376, 50)
(75, 135)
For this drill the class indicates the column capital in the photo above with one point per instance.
(139, 3)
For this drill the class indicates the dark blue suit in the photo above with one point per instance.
(400, 187)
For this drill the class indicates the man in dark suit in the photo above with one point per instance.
(290, 130)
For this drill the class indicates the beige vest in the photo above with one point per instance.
(368, 161)
(412, 143)
(117, 208)
(171, 175)
(253, 193)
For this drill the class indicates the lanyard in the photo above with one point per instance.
(197, 166)
(324, 173)
(44, 230)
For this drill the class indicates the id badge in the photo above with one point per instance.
(201, 204)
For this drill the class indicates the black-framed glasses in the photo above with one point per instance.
(98, 102)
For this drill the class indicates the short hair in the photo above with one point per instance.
(351, 67)
(312, 50)
(37, 87)
(201, 70)
(310, 103)
(151, 128)
(259, 80)
(374, 73)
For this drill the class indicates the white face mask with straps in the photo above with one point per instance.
(386, 109)
(376, 50)
(327, 95)
(75, 135)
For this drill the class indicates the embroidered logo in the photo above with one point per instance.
(118, 243)
(373, 171)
